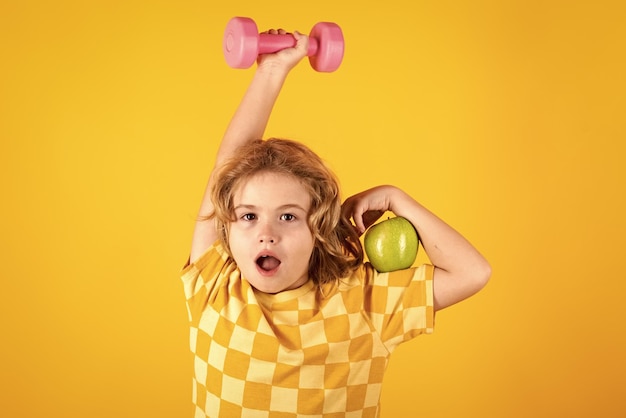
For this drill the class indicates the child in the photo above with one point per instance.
(286, 319)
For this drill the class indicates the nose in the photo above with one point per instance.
(267, 234)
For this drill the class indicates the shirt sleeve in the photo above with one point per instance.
(202, 277)
(400, 303)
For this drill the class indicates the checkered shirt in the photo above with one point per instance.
(306, 352)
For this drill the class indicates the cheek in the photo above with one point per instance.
(306, 246)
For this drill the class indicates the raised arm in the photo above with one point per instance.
(247, 124)
(460, 270)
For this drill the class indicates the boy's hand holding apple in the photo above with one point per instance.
(391, 244)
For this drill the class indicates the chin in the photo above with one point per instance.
(262, 284)
(266, 289)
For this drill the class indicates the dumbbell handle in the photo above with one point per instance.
(269, 43)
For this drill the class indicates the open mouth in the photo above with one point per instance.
(268, 263)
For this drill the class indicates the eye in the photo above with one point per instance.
(287, 217)
(248, 217)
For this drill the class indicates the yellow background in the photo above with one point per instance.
(504, 117)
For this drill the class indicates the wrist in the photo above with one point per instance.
(272, 70)
(399, 201)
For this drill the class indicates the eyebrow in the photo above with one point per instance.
(280, 208)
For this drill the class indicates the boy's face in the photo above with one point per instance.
(270, 239)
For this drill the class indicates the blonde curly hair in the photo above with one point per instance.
(337, 250)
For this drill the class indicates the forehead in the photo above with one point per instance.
(272, 189)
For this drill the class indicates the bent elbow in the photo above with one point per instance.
(482, 275)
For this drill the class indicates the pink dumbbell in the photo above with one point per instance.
(243, 43)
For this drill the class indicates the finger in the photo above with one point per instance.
(357, 216)
(302, 41)
(371, 216)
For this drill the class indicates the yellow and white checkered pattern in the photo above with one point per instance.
(303, 352)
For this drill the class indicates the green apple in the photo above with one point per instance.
(391, 244)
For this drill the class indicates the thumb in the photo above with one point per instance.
(302, 41)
